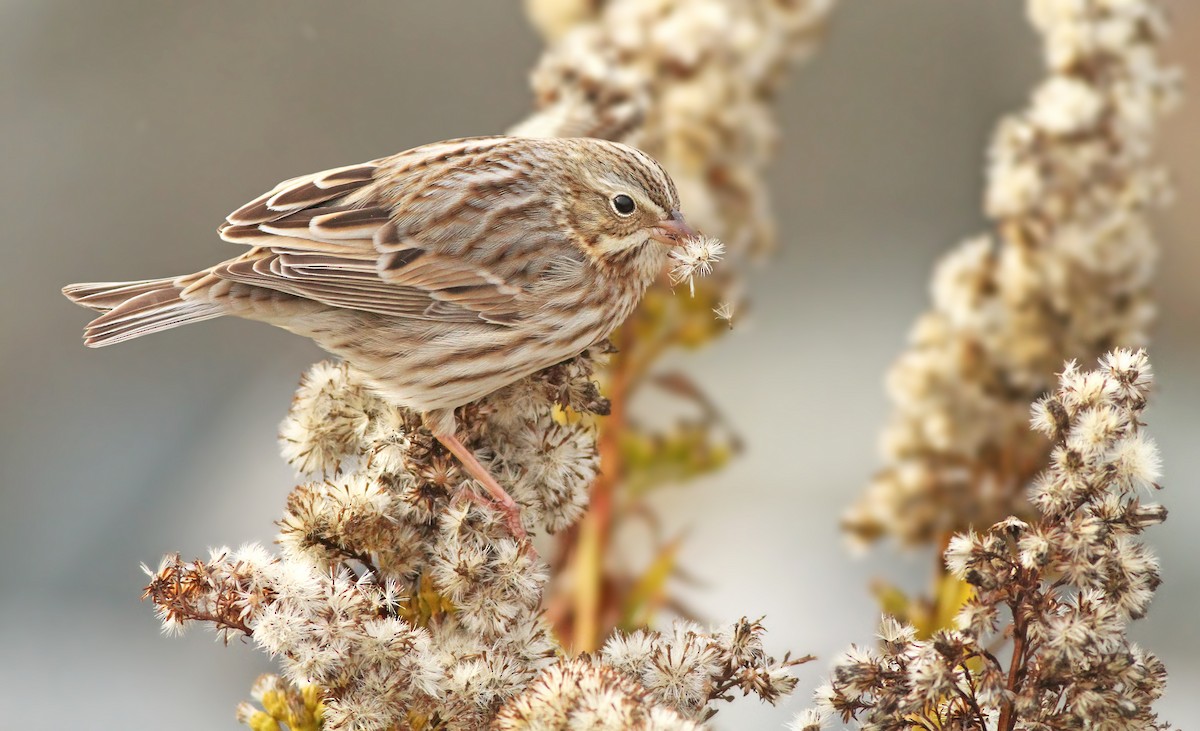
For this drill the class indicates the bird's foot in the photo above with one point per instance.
(510, 511)
(500, 500)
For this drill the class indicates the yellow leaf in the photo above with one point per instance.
(892, 600)
(686, 452)
(312, 695)
(952, 594)
(649, 593)
(275, 703)
(262, 722)
(424, 606)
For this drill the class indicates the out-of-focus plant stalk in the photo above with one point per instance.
(595, 530)
(691, 82)
(1064, 275)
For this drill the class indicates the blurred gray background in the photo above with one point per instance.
(129, 129)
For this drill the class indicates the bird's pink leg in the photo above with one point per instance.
(512, 511)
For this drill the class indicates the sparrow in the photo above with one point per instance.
(440, 274)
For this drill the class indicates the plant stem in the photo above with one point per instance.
(1008, 716)
(596, 527)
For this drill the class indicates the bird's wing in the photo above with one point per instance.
(452, 232)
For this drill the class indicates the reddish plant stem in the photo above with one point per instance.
(1008, 716)
(596, 528)
(612, 469)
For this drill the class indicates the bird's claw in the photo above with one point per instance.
(511, 513)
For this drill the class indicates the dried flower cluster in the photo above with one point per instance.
(1064, 276)
(581, 694)
(400, 593)
(1062, 588)
(652, 681)
(695, 259)
(397, 589)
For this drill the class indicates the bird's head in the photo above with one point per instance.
(620, 204)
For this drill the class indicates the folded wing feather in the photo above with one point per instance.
(328, 237)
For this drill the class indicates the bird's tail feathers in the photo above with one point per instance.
(134, 309)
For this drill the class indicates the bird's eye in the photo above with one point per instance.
(623, 205)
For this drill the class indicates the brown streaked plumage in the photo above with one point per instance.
(442, 273)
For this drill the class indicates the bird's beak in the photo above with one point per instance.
(673, 230)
